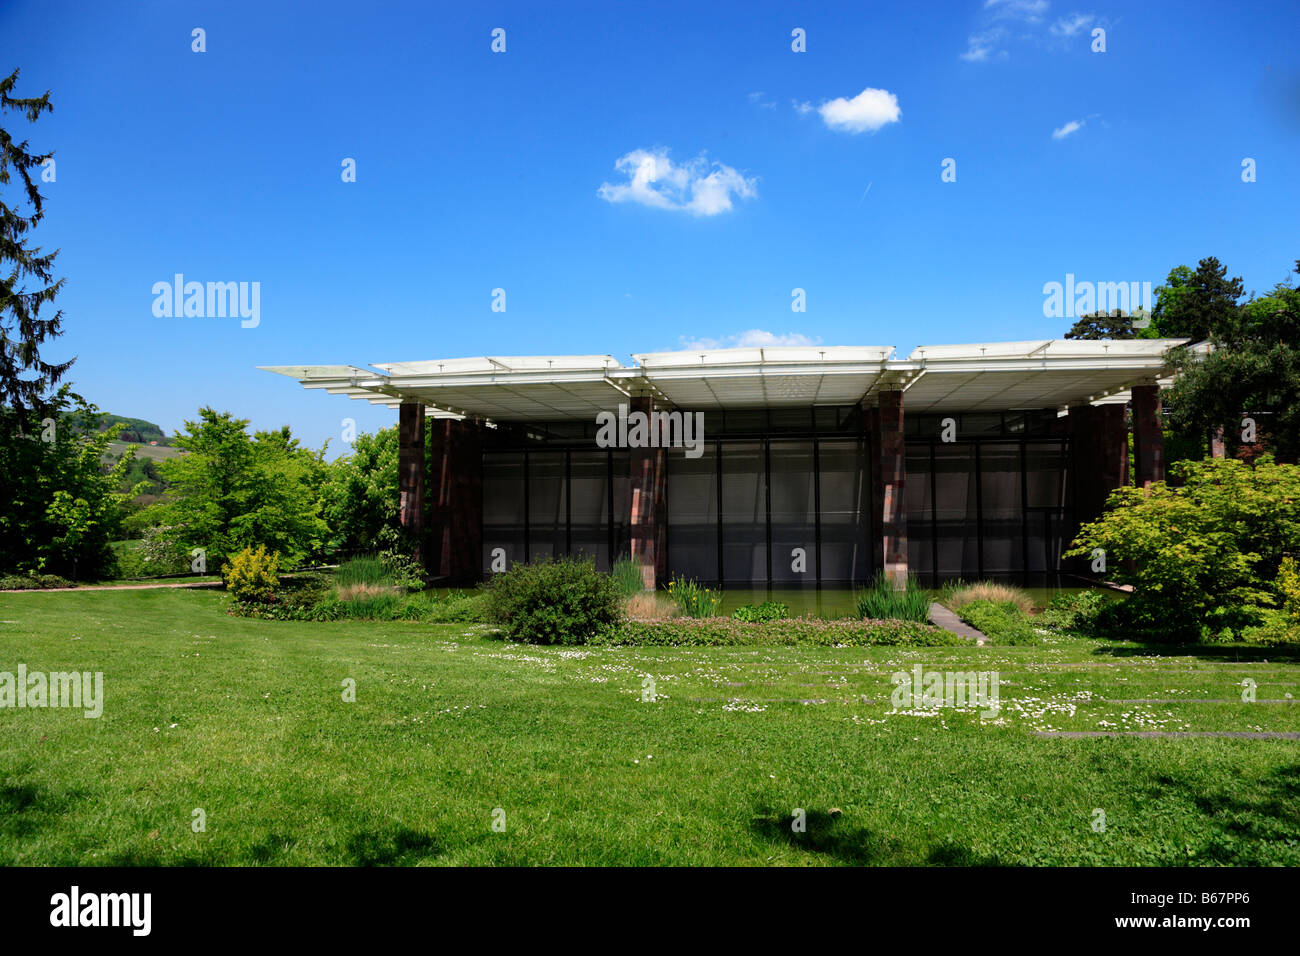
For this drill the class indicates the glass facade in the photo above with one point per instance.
(541, 504)
(784, 497)
(988, 508)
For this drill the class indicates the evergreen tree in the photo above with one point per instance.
(22, 329)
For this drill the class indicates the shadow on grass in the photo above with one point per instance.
(1222, 653)
(1242, 827)
(830, 835)
(26, 808)
(395, 846)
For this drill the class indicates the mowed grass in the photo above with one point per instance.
(245, 719)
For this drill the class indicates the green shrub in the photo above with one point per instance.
(252, 576)
(627, 576)
(1288, 588)
(1276, 628)
(312, 598)
(406, 573)
(1002, 623)
(693, 599)
(881, 601)
(33, 582)
(757, 613)
(726, 631)
(1075, 612)
(565, 601)
(1213, 546)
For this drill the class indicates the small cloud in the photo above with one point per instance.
(1071, 127)
(1030, 11)
(981, 47)
(802, 108)
(697, 186)
(757, 99)
(750, 339)
(868, 111)
(1072, 25)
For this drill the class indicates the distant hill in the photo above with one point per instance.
(137, 430)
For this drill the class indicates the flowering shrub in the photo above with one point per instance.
(694, 599)
(720, 631)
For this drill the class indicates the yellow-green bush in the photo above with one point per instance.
(1288, 587)
(253, 576)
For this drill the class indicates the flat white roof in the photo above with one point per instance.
(990, 376)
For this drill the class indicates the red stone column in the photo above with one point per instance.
(648, 511)
(455, 520)
(1148, 435)
(875, 480)
(410, 474)
(891, 508)
(1099, 449)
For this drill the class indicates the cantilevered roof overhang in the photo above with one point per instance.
(995, 376)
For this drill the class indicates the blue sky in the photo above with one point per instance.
(636, 177)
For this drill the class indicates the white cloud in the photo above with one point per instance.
(1072, 25)
(750, 339)
(981, 46)
(696, 186)
(868, 111)
(1071, 127)
(757, 99)
(1029, 10)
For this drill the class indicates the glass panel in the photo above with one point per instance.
(546, 512)
(503, 507)
(589, 501)
(916, 495)
(954, 466)
(1000, 495)
(744, 512)
(794, 513)
(1045, 465)
(798, 419)
(846, 512)
(692, 514)
(622, 462)
(744, 421)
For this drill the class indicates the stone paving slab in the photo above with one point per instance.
(945, 619)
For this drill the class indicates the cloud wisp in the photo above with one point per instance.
(697, 186)
(749, 339)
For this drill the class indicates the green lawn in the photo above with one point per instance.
(245, 719)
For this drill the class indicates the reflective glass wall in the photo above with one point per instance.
(786, 512)
(783, 497)
(542, 503)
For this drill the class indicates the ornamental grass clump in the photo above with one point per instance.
(957, 594)
(883, 601)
